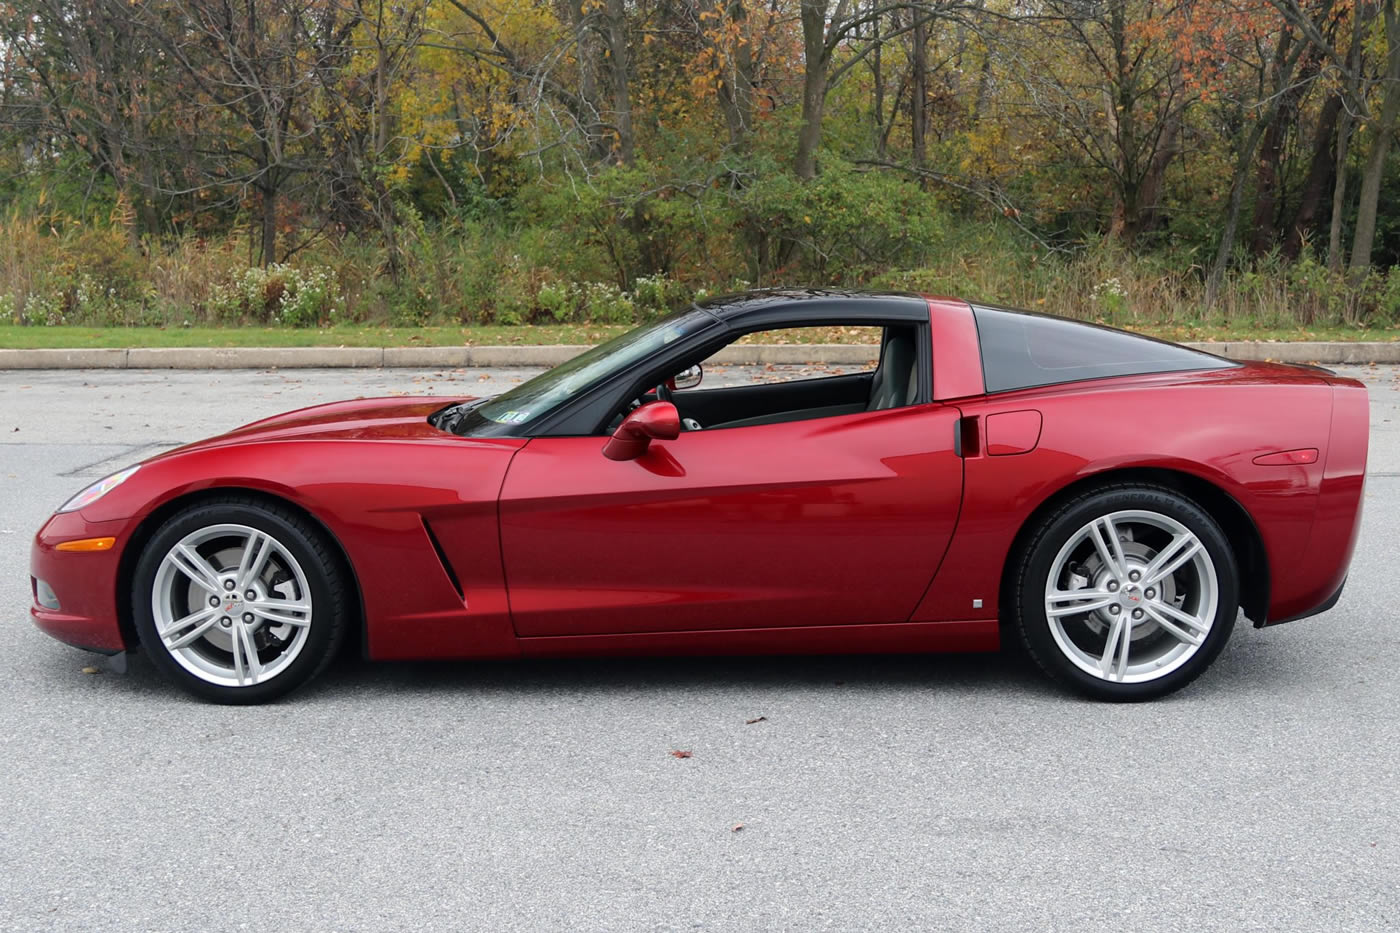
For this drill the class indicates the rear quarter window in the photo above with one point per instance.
(1022, 350)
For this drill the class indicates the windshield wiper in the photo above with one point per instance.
(452, 417)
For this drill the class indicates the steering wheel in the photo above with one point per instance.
(663, 393)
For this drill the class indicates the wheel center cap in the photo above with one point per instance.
(1130, 597)
(231, 600)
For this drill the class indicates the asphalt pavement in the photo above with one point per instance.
(901, 793)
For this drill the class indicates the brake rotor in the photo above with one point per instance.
(1138, 556)
(222, 638)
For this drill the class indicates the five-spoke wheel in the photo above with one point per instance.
(1127, 593)
(239, 600)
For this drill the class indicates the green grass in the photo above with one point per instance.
(340, 336)
(12, 336)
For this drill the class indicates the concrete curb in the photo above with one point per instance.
(522, 357)
(253, 357)
(1307, 351)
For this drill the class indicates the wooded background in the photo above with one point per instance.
(508, 161)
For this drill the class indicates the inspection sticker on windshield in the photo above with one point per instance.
(513, 417)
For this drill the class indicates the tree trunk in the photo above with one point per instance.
(736, 86)
(616, 35)
(1245, 158)
(1382, 131)
(1315, 184)
(1268, 182)
(1118, 106)
(1267, 170)
(918, 98)
(809, 134)
(1232, 218)
(1149, 191)
(1335, 259)
(383, 136)
(269, 225)
(877, 77)
(1347, 124)
(586, 51)
(984, 89)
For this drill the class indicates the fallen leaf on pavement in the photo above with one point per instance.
(738, 827)
(677, 753)
(91, 670)
(749, 722)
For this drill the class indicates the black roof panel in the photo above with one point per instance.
(815, 305)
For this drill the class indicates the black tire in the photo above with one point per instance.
(1034, 564)
(326, 580)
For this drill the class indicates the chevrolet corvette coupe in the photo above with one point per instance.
(1112, 501)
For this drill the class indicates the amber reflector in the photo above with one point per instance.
(86, 544)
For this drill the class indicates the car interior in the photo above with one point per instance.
(893, 383)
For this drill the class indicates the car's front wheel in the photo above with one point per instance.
(239, 601)
(1126, 593)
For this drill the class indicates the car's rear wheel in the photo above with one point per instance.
(239, 601)
(1126, 593)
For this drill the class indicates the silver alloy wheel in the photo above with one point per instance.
(1131, 596)
(231, 605)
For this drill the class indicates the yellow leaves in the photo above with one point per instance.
(456, 91)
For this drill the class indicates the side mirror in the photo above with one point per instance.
(654, 420)
(687, 378)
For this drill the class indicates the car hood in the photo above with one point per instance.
(395, 418)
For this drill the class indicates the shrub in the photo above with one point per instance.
(559, 301)
(654, 295)
(843, 227)
(1110, 297)
(280, 294)
(604, 303)
(627, 223)
(1387, 313)
(632, 244)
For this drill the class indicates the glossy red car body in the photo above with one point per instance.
(868, 532)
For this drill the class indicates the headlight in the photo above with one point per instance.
(97, 490)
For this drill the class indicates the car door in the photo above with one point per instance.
(826, 521)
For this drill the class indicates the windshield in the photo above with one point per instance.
(546, 392)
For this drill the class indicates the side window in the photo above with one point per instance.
(1022, 350)
(878, 368)
(734, 365)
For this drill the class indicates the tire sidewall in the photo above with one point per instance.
(325, 631)
(1041, 553)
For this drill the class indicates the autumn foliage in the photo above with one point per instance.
(524, 160)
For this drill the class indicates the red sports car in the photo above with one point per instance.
(1110, 499)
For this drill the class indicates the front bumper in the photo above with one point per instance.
(84, 582)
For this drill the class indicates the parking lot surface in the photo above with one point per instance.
(905, 793)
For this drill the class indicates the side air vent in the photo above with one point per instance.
(442, 558)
